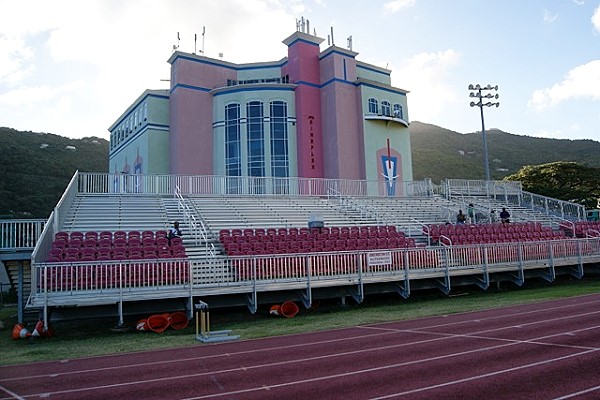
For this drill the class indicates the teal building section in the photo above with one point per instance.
(139, 142)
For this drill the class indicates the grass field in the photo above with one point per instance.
(83, 338)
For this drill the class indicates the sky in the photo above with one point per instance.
(72, 67)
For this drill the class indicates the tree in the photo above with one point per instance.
(562, 180)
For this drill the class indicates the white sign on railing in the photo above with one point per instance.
(379, 258)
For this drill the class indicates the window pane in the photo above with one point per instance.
(279, 139)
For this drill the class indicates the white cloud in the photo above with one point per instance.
(578, 2)
(424, 74)
(115, 50)
(30, 96)
(548, 17)
(582, 82)
(397, 5)
(14, 56)
(596, 19)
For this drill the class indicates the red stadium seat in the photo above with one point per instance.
(61, 236)
(106, 235)
(91, 235)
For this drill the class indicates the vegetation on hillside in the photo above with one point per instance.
(562, 180)
(440, 154)
(35, 169)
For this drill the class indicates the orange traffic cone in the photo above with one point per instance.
(39, 329)
(20, 332)
(142, 325)
(275, 310)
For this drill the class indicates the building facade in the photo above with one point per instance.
(312, 114)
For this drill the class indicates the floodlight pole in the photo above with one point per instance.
(477, 89)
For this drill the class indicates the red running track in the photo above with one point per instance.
(546, 350)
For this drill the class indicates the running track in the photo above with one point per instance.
(548, 350)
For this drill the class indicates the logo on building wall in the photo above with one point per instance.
(311, 134)
(389, 172)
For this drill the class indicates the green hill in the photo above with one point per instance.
(35, 168)
(440, 153)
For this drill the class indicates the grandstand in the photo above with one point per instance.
(104, 243)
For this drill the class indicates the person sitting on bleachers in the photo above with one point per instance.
(174, 232)
(461, 218)
(504, 216)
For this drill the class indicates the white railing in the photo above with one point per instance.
(20, 234)
(195, 224)
(511, 192)
(552, 207)
(465, 187)
(97, 183)
(324, 266)
(223, 275)
(107, 276)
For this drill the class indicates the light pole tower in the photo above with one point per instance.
(477, 92)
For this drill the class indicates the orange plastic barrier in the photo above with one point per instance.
(179, 320)
(289, 309)
(160, 322)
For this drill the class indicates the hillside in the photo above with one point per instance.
(35, 169)
(439, 153)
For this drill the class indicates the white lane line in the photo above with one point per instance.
(576, 394)
(11, 393)
(482, 376)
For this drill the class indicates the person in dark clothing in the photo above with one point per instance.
(504, 216)
(461, 218)
(174, 232)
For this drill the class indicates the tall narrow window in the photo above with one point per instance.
(255, 134)
(279, 139)
(233, 162)
(385, 108)
(256, 137)
(373, 106)
(398, 111)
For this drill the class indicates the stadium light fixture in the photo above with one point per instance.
(478, 92)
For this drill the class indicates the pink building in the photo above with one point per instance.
(312, 114)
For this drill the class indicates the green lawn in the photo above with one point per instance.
(83, 338)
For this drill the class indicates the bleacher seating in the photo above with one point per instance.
(490, 233)
(582, 228)
(120, 245)
(259, 241)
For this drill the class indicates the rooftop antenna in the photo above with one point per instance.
(203, 32)
(328, 40)
(332, 41)
(221, 56)
(307, 26)
(176, 46)
(195, 39)
(303, 25)
(314, 32)
(349, 41)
